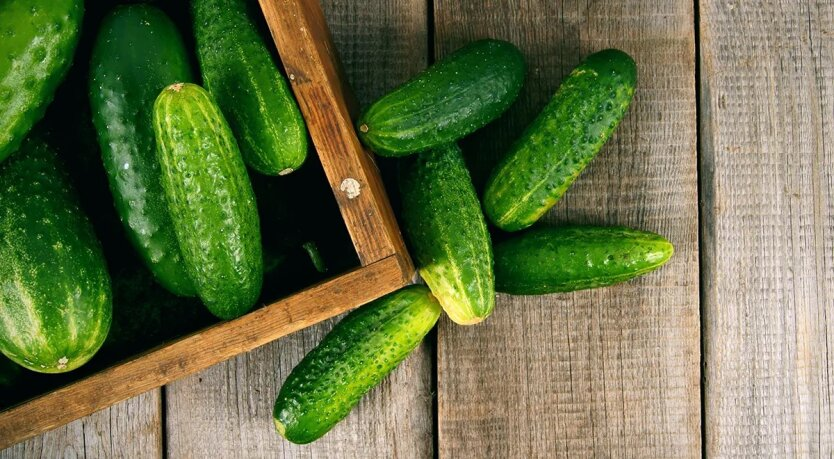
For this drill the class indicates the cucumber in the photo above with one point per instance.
(39, 39)
(138, 52)
(354, 357)
(55, 300)
(210, 199)
(448, 234)
(561, 141)
(240, 73)
(449, 100)
(563, 259)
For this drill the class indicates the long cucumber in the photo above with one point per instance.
(210, 199)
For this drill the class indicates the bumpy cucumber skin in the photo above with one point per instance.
(38, 41)
(240, 73)
(448, 233)
(210, 199)
(354, 357)
(55, 297)
(561, 141)
(563, 259)
(449, 100)
(138, 52)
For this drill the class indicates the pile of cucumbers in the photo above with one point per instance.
(175, 156)
(447, 224)
(181, 157)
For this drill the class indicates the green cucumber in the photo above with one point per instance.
(449, 100)
(561, 141)
(38, 41)
(210, 199)
(240, 73)
(354, 357)
(55, 300)
(138, 52)
(448, 233)
(563, 259)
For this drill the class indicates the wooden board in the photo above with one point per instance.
(226, 411)
(767, 162)
(132, 428)
(327, 102)
(611, 372)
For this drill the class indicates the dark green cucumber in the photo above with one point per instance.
(561, 141)
(138, 52)
(55, 300)
(210, 199)
(448, 234)
(563, 259)
(449, 100)
(240, 73)
(354, 357)
(38, 41)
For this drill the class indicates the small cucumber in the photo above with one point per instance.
(354, 357)
(38, 41)
(240, 73)
(210, 199)
(449, 100)
(449, 238)
(561, 141)
(55, 298)
(563, 259)
(138, 52)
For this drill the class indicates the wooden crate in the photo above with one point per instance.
(307, 52)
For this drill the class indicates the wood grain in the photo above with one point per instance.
(226, 411)
(132, 428)
(200, 350)
(610, 372)
(767, 126)
(307, 52)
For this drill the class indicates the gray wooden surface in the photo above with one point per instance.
(613, 372)
(767, 163)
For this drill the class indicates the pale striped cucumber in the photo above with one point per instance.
(561, 141)
(55, 296)
(448, 234)
(354, 357)
(210, 198)
(241, 75)
(37, 42)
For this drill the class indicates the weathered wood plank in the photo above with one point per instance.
(132, 428)
(612, 372)
(301, 34)
(767, 126)
(226, 411)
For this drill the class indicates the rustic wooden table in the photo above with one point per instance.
(728, 350)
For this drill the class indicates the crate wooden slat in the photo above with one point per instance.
(325, 98)
(327, 104)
